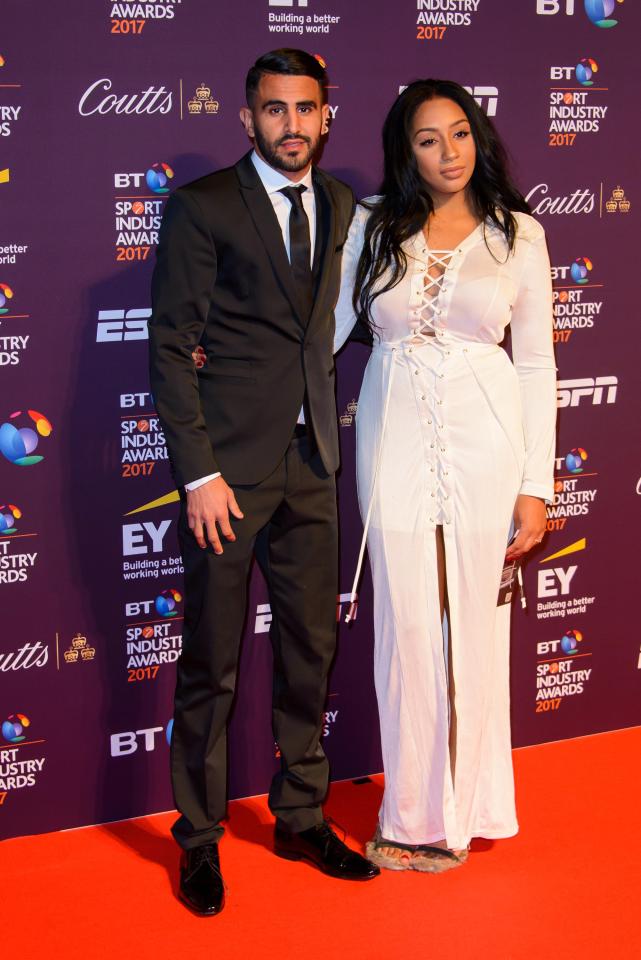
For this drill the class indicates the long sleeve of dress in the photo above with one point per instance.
(533, 357)
(344, 312)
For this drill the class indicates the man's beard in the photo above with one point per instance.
(280, 162)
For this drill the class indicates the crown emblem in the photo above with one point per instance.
(79, 649)
(346, 420)
(618, 201)
(352, 407)
(203, 102)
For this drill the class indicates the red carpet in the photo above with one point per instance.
(568, 886)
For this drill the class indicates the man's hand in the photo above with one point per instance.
(530, 518)
(208, 505)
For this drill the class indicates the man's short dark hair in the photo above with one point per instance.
(289, 62)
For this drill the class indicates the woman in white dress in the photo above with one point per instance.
(455, 448)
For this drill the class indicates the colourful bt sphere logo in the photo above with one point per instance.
(575, 459)
(6, 293)
(599, 12)
(570, 641)
(18, 439)
(580, 269)
(584, 71)
(158, 176)
(9, 513)
(14, 726)
(166, 603)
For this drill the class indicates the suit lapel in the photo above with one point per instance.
(325, 241)
(262, 213)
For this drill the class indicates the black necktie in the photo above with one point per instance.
(300, 247)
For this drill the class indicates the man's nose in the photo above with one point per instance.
(292, 120)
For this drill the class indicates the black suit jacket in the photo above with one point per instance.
(222, 280)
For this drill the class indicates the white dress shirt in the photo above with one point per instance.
(274, 181)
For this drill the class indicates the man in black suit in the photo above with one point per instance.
(248, 268)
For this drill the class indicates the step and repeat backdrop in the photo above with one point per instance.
(105, 107)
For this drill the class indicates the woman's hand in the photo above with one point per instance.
(530, 519)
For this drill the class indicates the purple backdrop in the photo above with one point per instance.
(90, 575)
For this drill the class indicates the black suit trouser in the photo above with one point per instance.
(290, 524)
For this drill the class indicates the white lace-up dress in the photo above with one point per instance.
(449, 432)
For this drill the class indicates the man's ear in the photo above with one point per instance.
(325, 118)
(247, 120)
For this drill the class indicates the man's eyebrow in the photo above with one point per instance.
(282, 103)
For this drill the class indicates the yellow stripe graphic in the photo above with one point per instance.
(573, 548)
(172, 497)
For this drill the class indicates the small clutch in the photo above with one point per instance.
(511, 581)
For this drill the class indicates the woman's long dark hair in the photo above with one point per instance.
(405, 203)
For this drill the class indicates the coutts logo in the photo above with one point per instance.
(97, 98)
(541, 201)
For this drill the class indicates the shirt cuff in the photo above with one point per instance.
(542, 490)
(194, 484)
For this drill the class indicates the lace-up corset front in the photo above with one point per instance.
(425, 319)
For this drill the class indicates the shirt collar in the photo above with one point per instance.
(273, 180)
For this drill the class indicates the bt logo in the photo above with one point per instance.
(164, 604)
(582, 72)
(580, 269)
(9, 513)
(17, 443)
(574, 460)
(568, 643)
(142, 399)
(6, 293)
(597, 11)
(585, 70)
(546, 8)
(114, 326)
(124, 744)
(156, 178)
(167, 601)
(600, 11)
(14, 726)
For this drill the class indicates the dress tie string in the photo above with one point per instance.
(423, 332)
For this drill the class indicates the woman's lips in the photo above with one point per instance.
(452, 173)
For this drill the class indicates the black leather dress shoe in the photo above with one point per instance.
(320, 846)
(201, 882)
